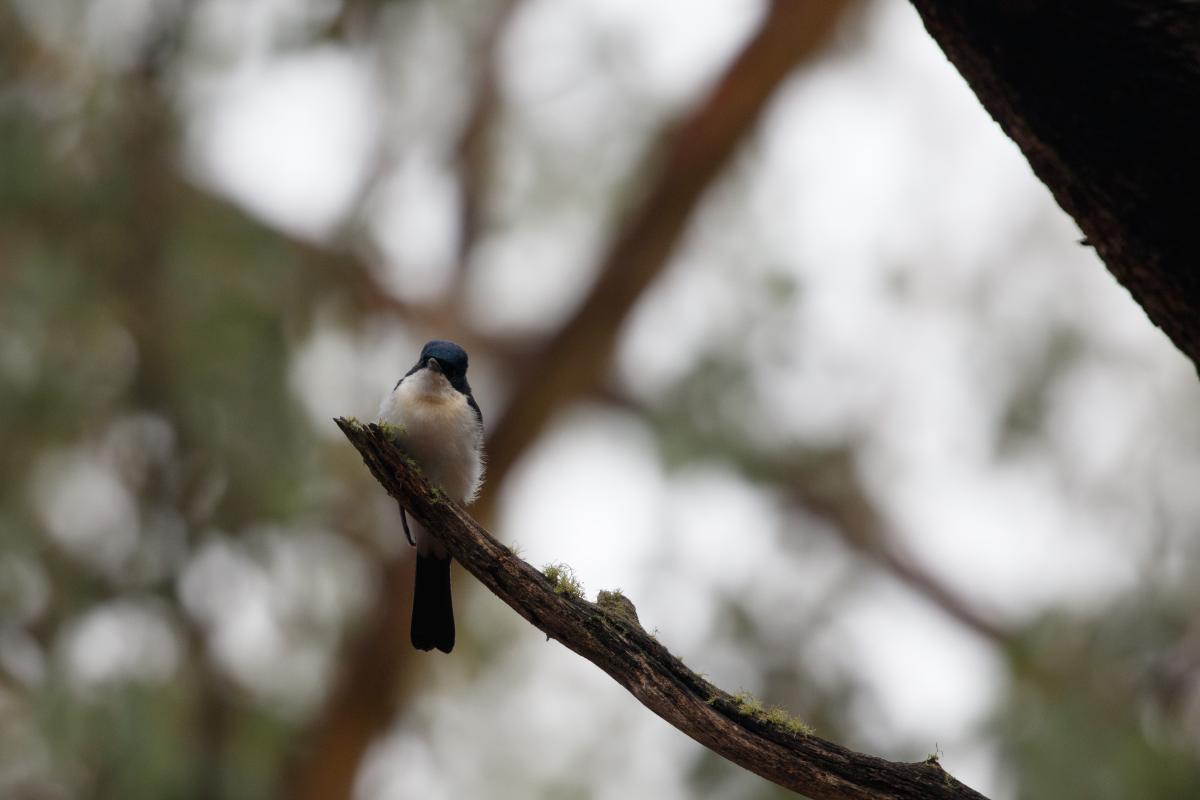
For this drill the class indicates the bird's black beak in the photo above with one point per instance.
(434, 365)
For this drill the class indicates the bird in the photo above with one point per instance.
(439, 424)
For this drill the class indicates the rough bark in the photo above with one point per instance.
(1103, 99)
(609, 636)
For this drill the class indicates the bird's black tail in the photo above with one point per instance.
(433, 612)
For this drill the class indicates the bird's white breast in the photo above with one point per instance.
(440, 431)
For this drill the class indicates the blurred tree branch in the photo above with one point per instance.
(826, 485)
(1104, 101)
(696, 148)
(362, 702)
(769, 744)
(474, 168)
(860, 525)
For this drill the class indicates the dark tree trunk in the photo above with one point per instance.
(1103, 98)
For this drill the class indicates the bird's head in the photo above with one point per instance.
(444, 357)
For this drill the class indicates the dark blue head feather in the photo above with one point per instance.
(453, 361)
(452, 357)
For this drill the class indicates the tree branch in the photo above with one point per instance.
(609, 635)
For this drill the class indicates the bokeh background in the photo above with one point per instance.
(873, 437)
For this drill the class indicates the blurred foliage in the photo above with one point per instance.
(147, 330)
(1104, 707)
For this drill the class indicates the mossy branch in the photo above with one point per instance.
(766, 742)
